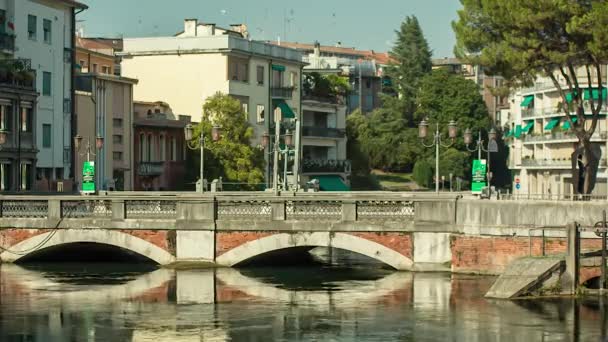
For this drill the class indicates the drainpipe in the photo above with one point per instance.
(269, 116)
(298, 147)
(74, 121)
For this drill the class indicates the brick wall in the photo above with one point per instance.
(225, 241)
(399, 242)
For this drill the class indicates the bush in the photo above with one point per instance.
(423, 173)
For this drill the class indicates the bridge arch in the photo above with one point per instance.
(106, 237)
(344, 241)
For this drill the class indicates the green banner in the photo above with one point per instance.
(88, 177)
(479, 175)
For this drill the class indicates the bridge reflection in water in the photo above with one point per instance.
(278, 304)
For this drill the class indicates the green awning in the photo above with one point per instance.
(551, 124)
(595, 94)
(567, 125)
(507, 133)
(528, 127)
(331, 183)
(527, 101)
(518, 131)
(286, 112)
(278, 67)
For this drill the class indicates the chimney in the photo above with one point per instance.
(240, 28)
(317, 50)
(339, 44)
(208, 30)
(190, 27)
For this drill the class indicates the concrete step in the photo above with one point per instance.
(524, 274)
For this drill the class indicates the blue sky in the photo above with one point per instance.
(365, 25)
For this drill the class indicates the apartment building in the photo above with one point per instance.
(204, 59)
(159, 147)
(541, 139)
(94, 57)
(364, 69)
(104, 108)
(43, 32)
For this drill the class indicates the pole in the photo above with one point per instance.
(360, 89)
(275, 166)
(479, 142)
(488, 174)
(286, 156)
(202, 143)
(437, 142)
(603, 265)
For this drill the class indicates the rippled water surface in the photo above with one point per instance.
(104, 302)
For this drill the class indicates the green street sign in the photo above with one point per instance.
(479, 176)
(88, 177)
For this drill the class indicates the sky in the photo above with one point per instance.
(364, 25)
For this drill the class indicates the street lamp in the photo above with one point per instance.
(423, 133)
(276, 150)
(189, 135)
(78, 144)
(492, 147)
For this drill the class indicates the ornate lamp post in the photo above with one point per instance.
(276, 150)
(492, 147)
(189, 135)
(78, 144)
(423, 128)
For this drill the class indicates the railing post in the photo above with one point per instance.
(54, 209)
(278, 210)
(349, 211)
(572, 258)
(119, 210)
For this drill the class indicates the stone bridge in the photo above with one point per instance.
(403, 230)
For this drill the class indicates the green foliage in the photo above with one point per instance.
(231, 157)
(361, 176)
(330, 85)
(423, 173)
(455, 162)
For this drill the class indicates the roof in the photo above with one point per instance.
(73, 3)
(160, 123)
(447, 61)
(379, 57)
(151, 103)
(91, 44)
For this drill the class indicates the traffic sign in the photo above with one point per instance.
(88, 177)
(517, 186)
(479, 175)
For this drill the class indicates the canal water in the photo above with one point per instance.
(123, 302)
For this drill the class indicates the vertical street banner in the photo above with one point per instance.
(88, 177)
(479, 175)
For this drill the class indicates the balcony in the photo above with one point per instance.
(150, 168)
(282, 92)
(17, 73)
(7, 42)
(557, 163)
(566, 136)
(324, 132)
(326, 166)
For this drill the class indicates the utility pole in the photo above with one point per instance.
(360, 87)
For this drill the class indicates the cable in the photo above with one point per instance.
(38, 246)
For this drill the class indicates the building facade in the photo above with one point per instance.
(204, 60)
(43, 32)
(159, 147)
(104, 107)
(542, 142)
(18, 152)
(94, 57)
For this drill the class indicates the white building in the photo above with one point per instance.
(541, 141)
(44, 33)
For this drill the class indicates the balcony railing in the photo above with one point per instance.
(553, 162)
(17, 72)
(539, 112)
(7, 42)
(325, 132)
(326, 166)
(282, 92)
(563, 136)
(150, 168)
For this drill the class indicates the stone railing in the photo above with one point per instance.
(186, 210)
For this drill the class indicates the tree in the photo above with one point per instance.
(356, 128)
(410, 61)
(232, 157)
(521, 39)
(423, 173)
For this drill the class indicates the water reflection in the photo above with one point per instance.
(106, 303)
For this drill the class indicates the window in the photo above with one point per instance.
(368, 83)
(260, 74)
(46, 83)
(26, 119)
(94, 67)
(277, 78)
(163, 148)
(117, 156)
(46, 29)
(293, 79)
(238, 69)
(31, 27)
(117, 139)
(149, 148)
(5, 117)
(173, 149)
(260, 113)
(142, 144)
(245, 107)
(5, 176)
(26, 173)
(46, 135)
(105, 69)
(116, 122)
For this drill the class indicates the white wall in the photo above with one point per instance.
(50, 58)
(182, 81)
